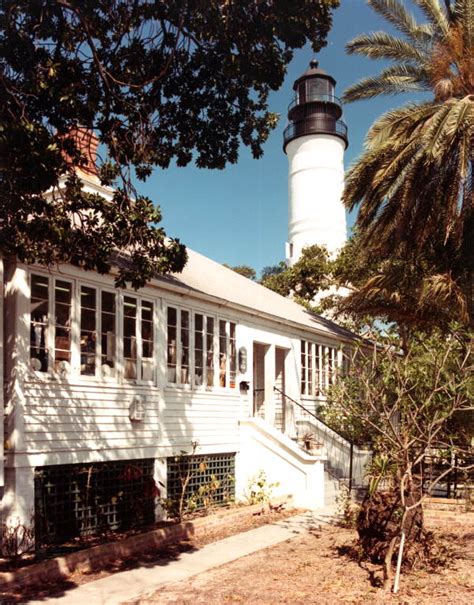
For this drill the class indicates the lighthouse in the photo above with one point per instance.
(314, 141)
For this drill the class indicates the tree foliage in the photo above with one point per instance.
(157, 82)
(303, 280)
(244, 270)
(406, 406)
(359, 289)
(414, 183)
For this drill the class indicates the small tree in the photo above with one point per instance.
(244, 270)
(406, 404)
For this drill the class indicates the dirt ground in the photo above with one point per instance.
(205, 536)
(314, 569)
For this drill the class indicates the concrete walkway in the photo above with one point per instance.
(130, 585)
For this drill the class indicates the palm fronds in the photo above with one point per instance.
(413, 184)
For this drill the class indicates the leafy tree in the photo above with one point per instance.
(411, 291)
(244, 270)
(406, 405)
(157, 82)
(304, 279)
(360, 289)
(414, 183)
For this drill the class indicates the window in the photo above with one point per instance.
(147, 341)
(190, 350)
(39, 313)
(203, 350)
(185, 374)
(172, 357)
(199, 353)
(54, 345)
(306, 387)
(318, 368)
(97, 318)
(62, 325)
(137, 339)
(210, 351)
(227, 354)
(179, 358)
(50, 324)
(108, 335)
(129, 337)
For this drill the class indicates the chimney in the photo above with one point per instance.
(87, 143)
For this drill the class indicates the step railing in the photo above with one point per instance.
(333, 437)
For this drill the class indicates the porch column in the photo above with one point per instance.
(269, 382)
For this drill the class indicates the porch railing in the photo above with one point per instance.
(334, 442)
(455, 483)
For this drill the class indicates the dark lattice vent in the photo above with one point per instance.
(79, 500)
(210, 480)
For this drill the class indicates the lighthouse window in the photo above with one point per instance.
(318, 87)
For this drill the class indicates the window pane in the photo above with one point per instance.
(108, 333)
(210, 351)
(39, 310)
(324, 370)
(130, 337)
(172, 345)
(309, 385)
(303, 367)
(198, 349)
(317, 378)
(233, 357)
(222, 354)
(147, 341)
(62, 325)
(88, 330)
(185, 375)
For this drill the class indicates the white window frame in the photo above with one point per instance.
(206, 366)
(50, 326)
(320, 369)
(99, 373)
(179, 347)
(139, 301)
(74, 370)
(192, 383)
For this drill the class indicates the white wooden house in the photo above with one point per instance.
(94, 375)
(106, 385)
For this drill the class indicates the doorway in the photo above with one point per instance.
(259, 351)
(280, 355)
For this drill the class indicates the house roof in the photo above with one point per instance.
(203, 276)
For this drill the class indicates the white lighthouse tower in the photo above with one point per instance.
(314, 141)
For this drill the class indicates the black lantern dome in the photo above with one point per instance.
(315, 109)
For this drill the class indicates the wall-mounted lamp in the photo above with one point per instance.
(242, 360)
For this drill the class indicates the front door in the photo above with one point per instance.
(259, 351)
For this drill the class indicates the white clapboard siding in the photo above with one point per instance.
(81, 416)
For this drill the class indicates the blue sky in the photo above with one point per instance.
(240, 215)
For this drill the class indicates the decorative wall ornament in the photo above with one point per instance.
(137, 409)
(63, 368)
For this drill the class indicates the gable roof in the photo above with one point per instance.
(203, 276)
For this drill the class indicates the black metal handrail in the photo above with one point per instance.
(351, 445)
(315, 98)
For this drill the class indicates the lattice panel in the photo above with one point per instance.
(211, 479)
(78, 500)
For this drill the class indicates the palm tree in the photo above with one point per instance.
(414, 183)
